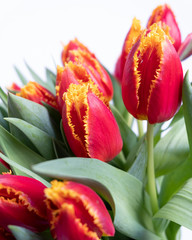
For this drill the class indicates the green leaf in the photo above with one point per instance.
(128, 136)
(3, 96)
(173, 181)
(177, 116)
(21, 233)
(138, 168)
(117, 95)
(21, 76)
(173, 231)
(187, 107)
(17, 151)
(51, 77)
(172, 150)
(25, 171)
(41, 140)
(179, 208)
(37, 79)
(124, 192)
(30, 112)
(3, 114)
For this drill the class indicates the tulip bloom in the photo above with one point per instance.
(22, 204)
(37, 93)
(131, 38)
(89, 125)
(80, 55)
(76, 212)
(165, 15)
(152, 79)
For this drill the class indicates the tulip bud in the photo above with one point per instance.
(76, 212)
(37, 93)
(22, 204)
(152, 79)
(73, 45)
(131, 38)
(89, 124)
(80, 55)
(165, 15)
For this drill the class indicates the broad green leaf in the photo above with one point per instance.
(124, 192)
(138, 168)
(41, 140)
(24, 170)
(187, 107)
(3, 96)
(21, 76)
(17, 151)
(21, 233)
(173, 181)
(30, 112)
(128, 136)
(179, 208)
(172, 150)
(37, 79)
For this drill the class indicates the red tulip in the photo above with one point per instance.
(89, 125)
(73, 45)
(77, 212)
(131, 38)
(37, 93)
(22, 204)
(80, 55)
(165, 15)
(152, 79)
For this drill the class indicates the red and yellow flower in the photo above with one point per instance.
(86, 61)
(22, 204)
(88, 123)
(153, 76)
(76, 212)
(37, 93)
(132, 36)
(166, 17)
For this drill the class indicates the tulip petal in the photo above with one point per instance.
(164, 14)
(77, 212)
(185, 49)
(103, 136)
(22, 202)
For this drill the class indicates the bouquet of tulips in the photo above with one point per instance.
(71, 165)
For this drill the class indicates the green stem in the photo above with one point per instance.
(151, 169)
(140, 128)
(130, 120)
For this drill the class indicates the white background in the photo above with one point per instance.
(33, 31)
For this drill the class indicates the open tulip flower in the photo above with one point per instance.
(89, 123)
(35, 92)
(76, 212)
(152, 79)
(22, 203)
